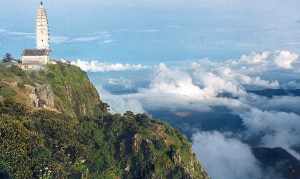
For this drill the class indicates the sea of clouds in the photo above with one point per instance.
(200, 85)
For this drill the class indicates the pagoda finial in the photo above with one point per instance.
(41, 3)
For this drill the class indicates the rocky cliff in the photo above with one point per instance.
(54, 125)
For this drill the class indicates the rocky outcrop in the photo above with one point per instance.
(41, 96)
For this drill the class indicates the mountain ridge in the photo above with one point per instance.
(54, 125)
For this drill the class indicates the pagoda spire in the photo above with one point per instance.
(42, 29)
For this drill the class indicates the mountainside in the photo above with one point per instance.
(62, 88)
(279, 160)
(54, 125)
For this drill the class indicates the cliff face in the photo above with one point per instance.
(54, 125)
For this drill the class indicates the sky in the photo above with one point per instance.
(150, 32)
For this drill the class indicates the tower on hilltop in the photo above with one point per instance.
(39, 57)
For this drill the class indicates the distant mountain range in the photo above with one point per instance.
(276, 92)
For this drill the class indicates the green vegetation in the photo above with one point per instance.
(79, 138)
(73, 93)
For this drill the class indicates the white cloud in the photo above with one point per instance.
(171, 88)
(198, 85)
(167, 81)
(59, 39)
(120, 81)
(96, 66)
(6, 32)
(215, 84)
(23, 34)
(108, 41)
(237, 76)
(285, 59)
(225, 157)
(293, 84)
(85, 39)
(268, 61)
(181, 83)
(255, 58)
(104, 37)
(278, 129)
(276, 103)
(119, 104)
(148, 30)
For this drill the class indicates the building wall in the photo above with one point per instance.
(32, 60)
(32, 67)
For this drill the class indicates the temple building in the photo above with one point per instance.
(37, 58)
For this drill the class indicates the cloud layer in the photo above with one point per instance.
(26, 35)
(101, 37)
(225, 157)
(201, 85)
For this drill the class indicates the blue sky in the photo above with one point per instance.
(149, 32)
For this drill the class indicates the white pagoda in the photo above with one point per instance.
(36, 58)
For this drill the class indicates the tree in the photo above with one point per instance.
(105, 107)
(7, 58)
(129, 115)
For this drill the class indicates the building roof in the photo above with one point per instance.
(35, 52)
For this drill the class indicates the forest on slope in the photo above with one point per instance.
(54, 125)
